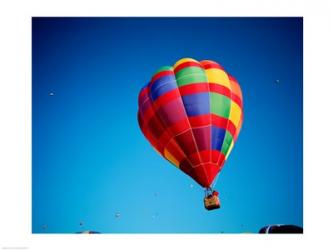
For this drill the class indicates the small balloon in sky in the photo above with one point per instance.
(117, 215)
(51, 93)
(277, 81)
(88, 232)
(81, 223)
(44, 227)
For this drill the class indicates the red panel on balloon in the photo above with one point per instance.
(155, 127)
(200, 120)
(186, 142)
(172, 112)
(202, 137)
(175, 150)
(179, 127)
(205, 155)
(215, 156)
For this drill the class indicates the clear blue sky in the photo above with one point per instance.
(91, 161)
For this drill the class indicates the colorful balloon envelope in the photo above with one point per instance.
(191, 114)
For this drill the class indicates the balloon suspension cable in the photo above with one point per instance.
(208, 191)
(215, 180)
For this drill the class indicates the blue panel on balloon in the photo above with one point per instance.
(163, 85)
(197, 104)
(217, 137)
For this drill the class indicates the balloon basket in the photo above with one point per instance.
(212, 202)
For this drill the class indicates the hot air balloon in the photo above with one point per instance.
(281, 229)
(88, 232)
(192, 114)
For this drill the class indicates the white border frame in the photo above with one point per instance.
(15, 132)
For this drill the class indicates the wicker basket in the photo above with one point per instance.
(212, 202)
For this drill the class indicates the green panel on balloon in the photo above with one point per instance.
(190, 71)
(191, 78)
(220, 105)
(226, 143)
(163, 69)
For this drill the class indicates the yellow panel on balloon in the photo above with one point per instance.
(218, 76)
(229, 149)
(170, 158)
(235, 113)
(184, 60)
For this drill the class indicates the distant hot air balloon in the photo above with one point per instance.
(191, 114)
(88, 232)
(281, 229)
